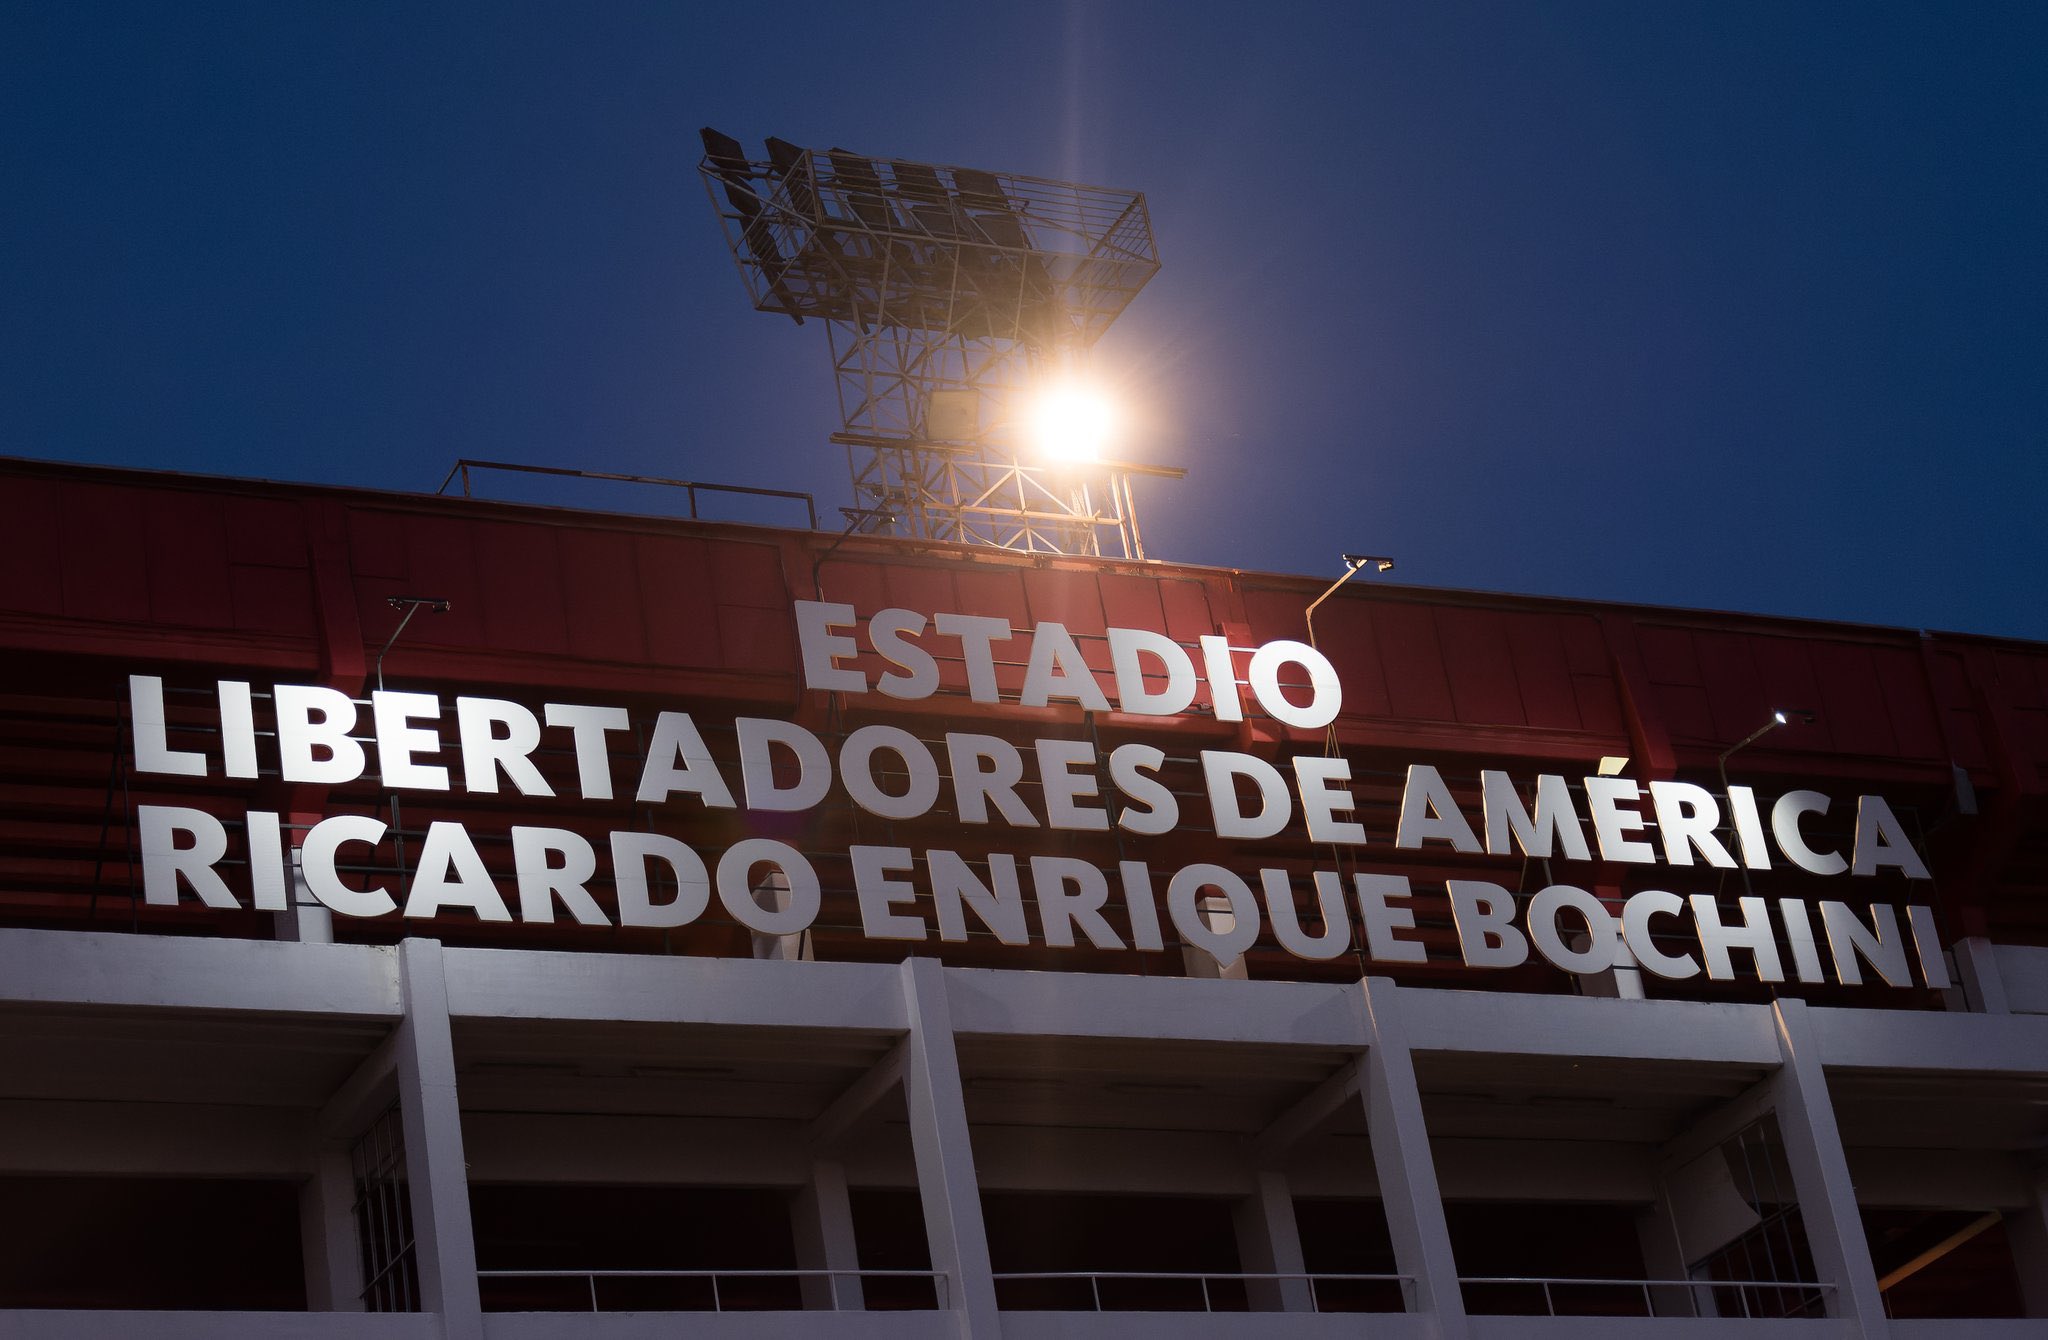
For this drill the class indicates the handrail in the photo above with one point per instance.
(937, 1277)
(1649, 1306)
(463, 466)
(1095, 1278)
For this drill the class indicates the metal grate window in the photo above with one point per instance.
(383, 1214)
(1774, 1250)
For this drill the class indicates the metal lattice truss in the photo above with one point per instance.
(944, 291)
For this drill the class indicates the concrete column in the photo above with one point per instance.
(822, 1218)
(1406, 1167)
(1194, 962)
(431, 1117)
(1664, 1248)
(308, 919)
(2027, 1232)
(1977, 966)
(942, 1148)
(1820, 1174)
(1269, 1243)
(327, 1234)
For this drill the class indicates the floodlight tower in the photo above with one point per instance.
(950, 297)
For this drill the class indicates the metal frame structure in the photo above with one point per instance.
(943, 292)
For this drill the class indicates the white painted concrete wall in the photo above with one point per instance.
(420, 992)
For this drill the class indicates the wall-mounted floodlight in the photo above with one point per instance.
(1353, 565)
(1781, 717)
(856, 517)
(1784, 716)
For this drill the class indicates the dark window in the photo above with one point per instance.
(151, 1244)
(1055, 1233)
(549, 1229)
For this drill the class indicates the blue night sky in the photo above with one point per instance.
(1719, 304)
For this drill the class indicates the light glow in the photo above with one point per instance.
(1070, 422)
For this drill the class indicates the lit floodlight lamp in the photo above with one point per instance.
(1069, 423)
(1378, 561)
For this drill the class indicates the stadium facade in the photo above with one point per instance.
(426, 916)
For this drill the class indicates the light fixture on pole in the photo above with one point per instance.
(411, 605)
(1781, 717)
(1353, 565)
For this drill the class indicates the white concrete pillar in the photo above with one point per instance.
(437, 1178)
(773, 894)
(1983, 985)
(2027, 1233)
(1217, 913)
(327, 1233)
(941, 1145)
(1405, 1164)
(1820, 1174)
(822, 1219)
(1662, 1239)
(1269, 1243)
(308, 919)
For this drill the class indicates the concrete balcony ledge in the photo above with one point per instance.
(1661, 1328)
(720, 1325)
(95, 1324)
(1215, 1326)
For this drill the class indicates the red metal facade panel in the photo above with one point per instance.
(137, 572)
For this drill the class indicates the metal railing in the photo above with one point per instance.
(1095, 1280)
(591, 1277)
(690, 487)
(1808, 1295)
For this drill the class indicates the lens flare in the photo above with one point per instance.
(1070, 423)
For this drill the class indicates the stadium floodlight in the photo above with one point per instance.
(949, 295)
(1070, 422)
